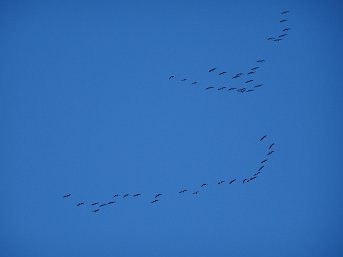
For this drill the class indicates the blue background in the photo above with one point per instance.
(87, 108)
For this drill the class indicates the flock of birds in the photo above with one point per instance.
(249, 85)
(242, 82)
(98, 205)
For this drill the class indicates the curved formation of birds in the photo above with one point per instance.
(249, 85)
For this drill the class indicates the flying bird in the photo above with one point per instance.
(203, 185)
(264, 161)
(135, 195)
(251, 72)
(261, 60)
(195, 193)
(286, 29)
(283, 20)
(208, 88)
(277, 40)
(250, 90)
(96, 210)
(232, 181)
(104, 204)
(221, 88)
(248, 81)
(242, 90)
(270, 152)
(126, 195)
(154, 201)
(284, 12)
(283, 35)
(260, 85)
(182, 191)
(222, 73)
(183, 79)
(213, 69)
(261, 168)
(236, 76)
(271, 145)
(244, 180)
(116, 195)
(80, 204)
(66, 196)
(232, 88)
(195, 82)
(95, 203)
(257, 173)
(221, 182)
(171, 77)
(255, 68)
(111, 202)
(157, 195)
(263, 137)
(270, 38)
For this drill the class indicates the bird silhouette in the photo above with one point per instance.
(136, 195)
(244, 180)
(79, 204)
(251, 72)
(261, 168)
(157, 195)
(195, 193)
(154, 201)
(182, 191)
(213, 69)
(260, 85)
(116, 195)
(270, 152)
(236, 76)
(203, 185)
(183, 79)
(255, 68)
(261, 60)
(221, 88)
(66, 196)
(264, 161)
(286, 29)
(222, 73)
(208, 88)
(242, 90)
(248, 81)
(257, 173)
(250, 90)
(96, 210)
(195, 82)
(171, 77)
(126, 195)
(221, 182)
(232, 181)
(283, 35)
(271, 145)
(95, 203)
(104, 204)
(232, 88)
(283, 20)
(270, 38)
(263, 137)
(284, 12)
(277, 40)
(111, 202)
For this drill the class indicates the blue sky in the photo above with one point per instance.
(87, 109)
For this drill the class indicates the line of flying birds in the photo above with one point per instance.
(246, 86)
(97, 205)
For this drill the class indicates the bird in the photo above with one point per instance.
(80, 204)
(263, 137)
(222, 73)
(261, 60)
(244, 180)
(283, 35)
(154, 201)
(171, 77)
(270, 152)
(260, 85)
(213, 69)
(96, 210)
(271, 145)
(203, 185)
(261, 168)
(257, 173)
(270, 38)
(126, 195)
(221, 182)
(248, 81)
(242, 90)
(250, 90)
(195, 82)
(284, 12)
(66, 196)
(255, 68)
(221, 88)
(208, 88)
(95, 203)
(277, 40)
(135, 195)
(104, 204)
(232, 181)
(182, 191)
(195, 193)
(283, 20)
(115, 195)
(252, 178)
(183, 79)
(157, 195)
(236, 76)
(111, 202)
(251, 72)
(264, 161)
(232, 88)
(286, 29)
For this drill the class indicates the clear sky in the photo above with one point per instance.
(87, 108)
